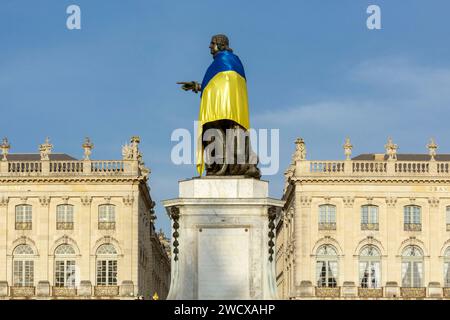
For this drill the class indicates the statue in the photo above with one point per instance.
(45, 149)
(224, 109)
(391, 149)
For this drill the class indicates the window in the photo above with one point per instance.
(64, 217)
(106, 217)
(65, 266)
(412, 218)
(412, 267)
(369, 267)
(369, 217)
(23, 266)
(447, 268)
(23, 217)
(447, 217)
(327, 217)
(106, 265)
(327, 266)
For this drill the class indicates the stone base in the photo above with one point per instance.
(392, 290)
(221, 249)
(85, 289)
(3, 288)
(127, 289)
(43, 289)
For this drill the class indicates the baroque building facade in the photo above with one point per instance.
(78, 229)
(372, 226)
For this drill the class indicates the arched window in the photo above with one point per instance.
(447, 217)
(106, 265)
(412, 218)
(412, 267)
(327, 217)
(107, 217)
(447, 267)
(370, 267)
(24, 217)
(65, 266)
(23, 266)
(327, 266)
(369, 217)
(64, 217)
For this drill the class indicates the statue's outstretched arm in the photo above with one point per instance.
(191, 85)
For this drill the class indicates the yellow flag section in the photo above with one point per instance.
(224, 97)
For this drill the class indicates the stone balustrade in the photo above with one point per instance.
(349, 290)
(372, 168)
(68, 168)
(85, 290)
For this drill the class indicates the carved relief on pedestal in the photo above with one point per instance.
(175, 215)
(272, 215)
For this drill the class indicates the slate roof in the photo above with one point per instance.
(37, 157)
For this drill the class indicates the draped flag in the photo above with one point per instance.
(224, 96)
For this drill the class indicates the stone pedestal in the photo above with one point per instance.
(85, 288)
(349, 290)
(43, 289)
(434, 290)
(392, 290)
(127, 289)
(223, 243)
(3, 288)
(306, 289)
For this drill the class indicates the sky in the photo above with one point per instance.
(314, 70)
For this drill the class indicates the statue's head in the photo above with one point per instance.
(219, 42)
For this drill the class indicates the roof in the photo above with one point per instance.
(37, 157)
(403, 157)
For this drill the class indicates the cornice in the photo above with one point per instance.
(128, 179)
(390, 180)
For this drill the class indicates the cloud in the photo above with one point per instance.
(388, 89)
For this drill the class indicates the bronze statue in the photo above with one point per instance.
(224, 108)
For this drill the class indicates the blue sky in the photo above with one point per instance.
(313, 70)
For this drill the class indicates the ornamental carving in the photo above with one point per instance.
(434, 202)
(325, 292)
(85, 201)
(305, 201)
(45, 149)
(175, 215)
(87, 147)
(272, 214)
(4, 202)
(44, 201)
(22, 291)
(447, 292)
(413, 292)
(106, 291)
(391, 149)
(348, 149)
(370, 292)
(64, 292)
(391, 201)
(128, 200)
(300, 150)
(348, 202)
(5, 146)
